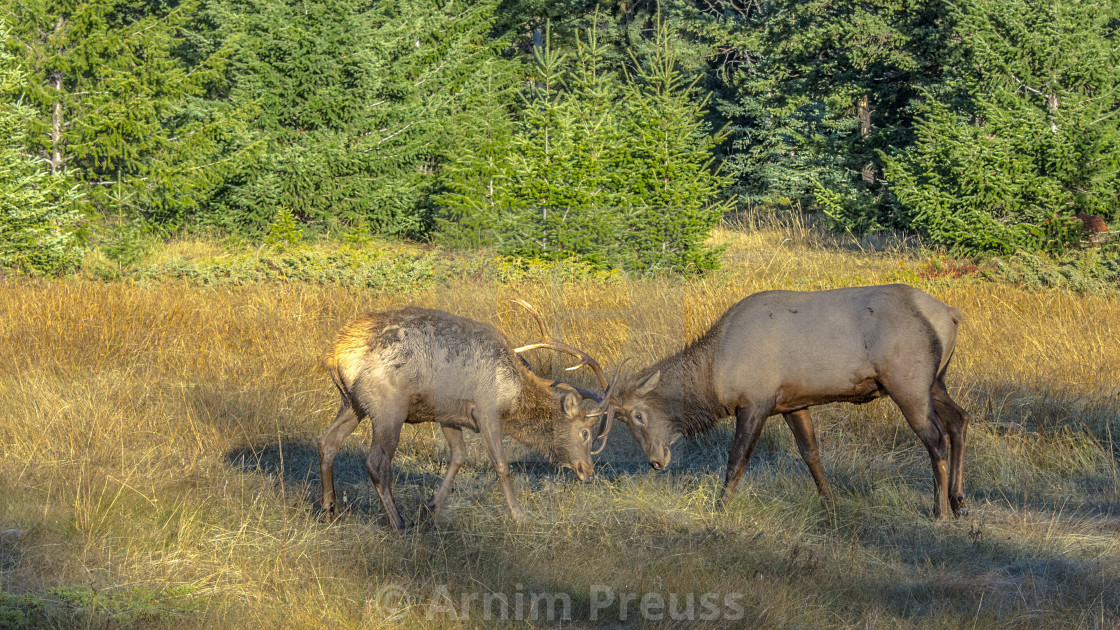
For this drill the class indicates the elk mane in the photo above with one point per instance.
(690, 401)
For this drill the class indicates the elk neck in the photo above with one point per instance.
(685, 390)
(531, 420)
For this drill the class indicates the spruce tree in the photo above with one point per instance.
(477, 171)
(676, 192)
(359, 104)
(550, 190)
(1034, 141)
(38, 213)
(616, 171)
(814, 91)
(125, 104)
(565, 161)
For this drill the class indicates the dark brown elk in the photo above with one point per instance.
(782, 352)
(420, 365)
(1092, 227)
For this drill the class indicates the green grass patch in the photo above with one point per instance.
(76, 606)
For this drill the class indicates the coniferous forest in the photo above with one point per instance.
(260, 365)
(617, 133)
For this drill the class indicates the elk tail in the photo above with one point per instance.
(950, 342)
(332, 368)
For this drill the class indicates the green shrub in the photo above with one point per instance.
(284, 232)
(1089, 271)
(83, 606)
(127, 606)
(16, 610)
(125, 244)
(847, 210)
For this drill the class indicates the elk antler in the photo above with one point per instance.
(606, 410)
(548, 342)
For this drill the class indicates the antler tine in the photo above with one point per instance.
(548, 342)
(536, 316)
(606, 409)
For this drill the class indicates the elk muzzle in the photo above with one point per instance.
(660, 460)
(584, 471)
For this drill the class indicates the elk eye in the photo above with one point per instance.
(586, 435)
(638, 417)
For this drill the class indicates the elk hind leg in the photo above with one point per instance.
(918, 411)
(955, 420)
(454, 436)
(387, 423)
(802, 426)
(344, 424)
(748, 426)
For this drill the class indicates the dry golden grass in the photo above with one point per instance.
(157, 451)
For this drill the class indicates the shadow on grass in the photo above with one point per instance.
(445, 575)
(1049, 410)
(294, 464)
(860, 559)
(968, 566)
(1040, 553)
(81, 606)
(1056, 420)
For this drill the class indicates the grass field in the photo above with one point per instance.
(158, 467)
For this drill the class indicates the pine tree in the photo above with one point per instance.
(565, 160)
(675, 191)
(37, 208)
(625, 30)
(477, 171)
(549, 190)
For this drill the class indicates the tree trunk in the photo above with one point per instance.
(868, 172)
(56, 127)
(56, 116)
(1052, 106)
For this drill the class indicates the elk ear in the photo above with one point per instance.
(647, 385)
(570, 404)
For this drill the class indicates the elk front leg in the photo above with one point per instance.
(490, 427)
(387, 423)
(748, 426)
(802, 426)
(955, 420)
(454, 437)
(344, 424)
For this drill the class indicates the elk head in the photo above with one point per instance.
(576, 434)
(646, 415)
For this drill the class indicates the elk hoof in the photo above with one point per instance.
(430, 511)
(959, 507)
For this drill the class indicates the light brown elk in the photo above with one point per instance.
(782, 352)
(420, 365)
